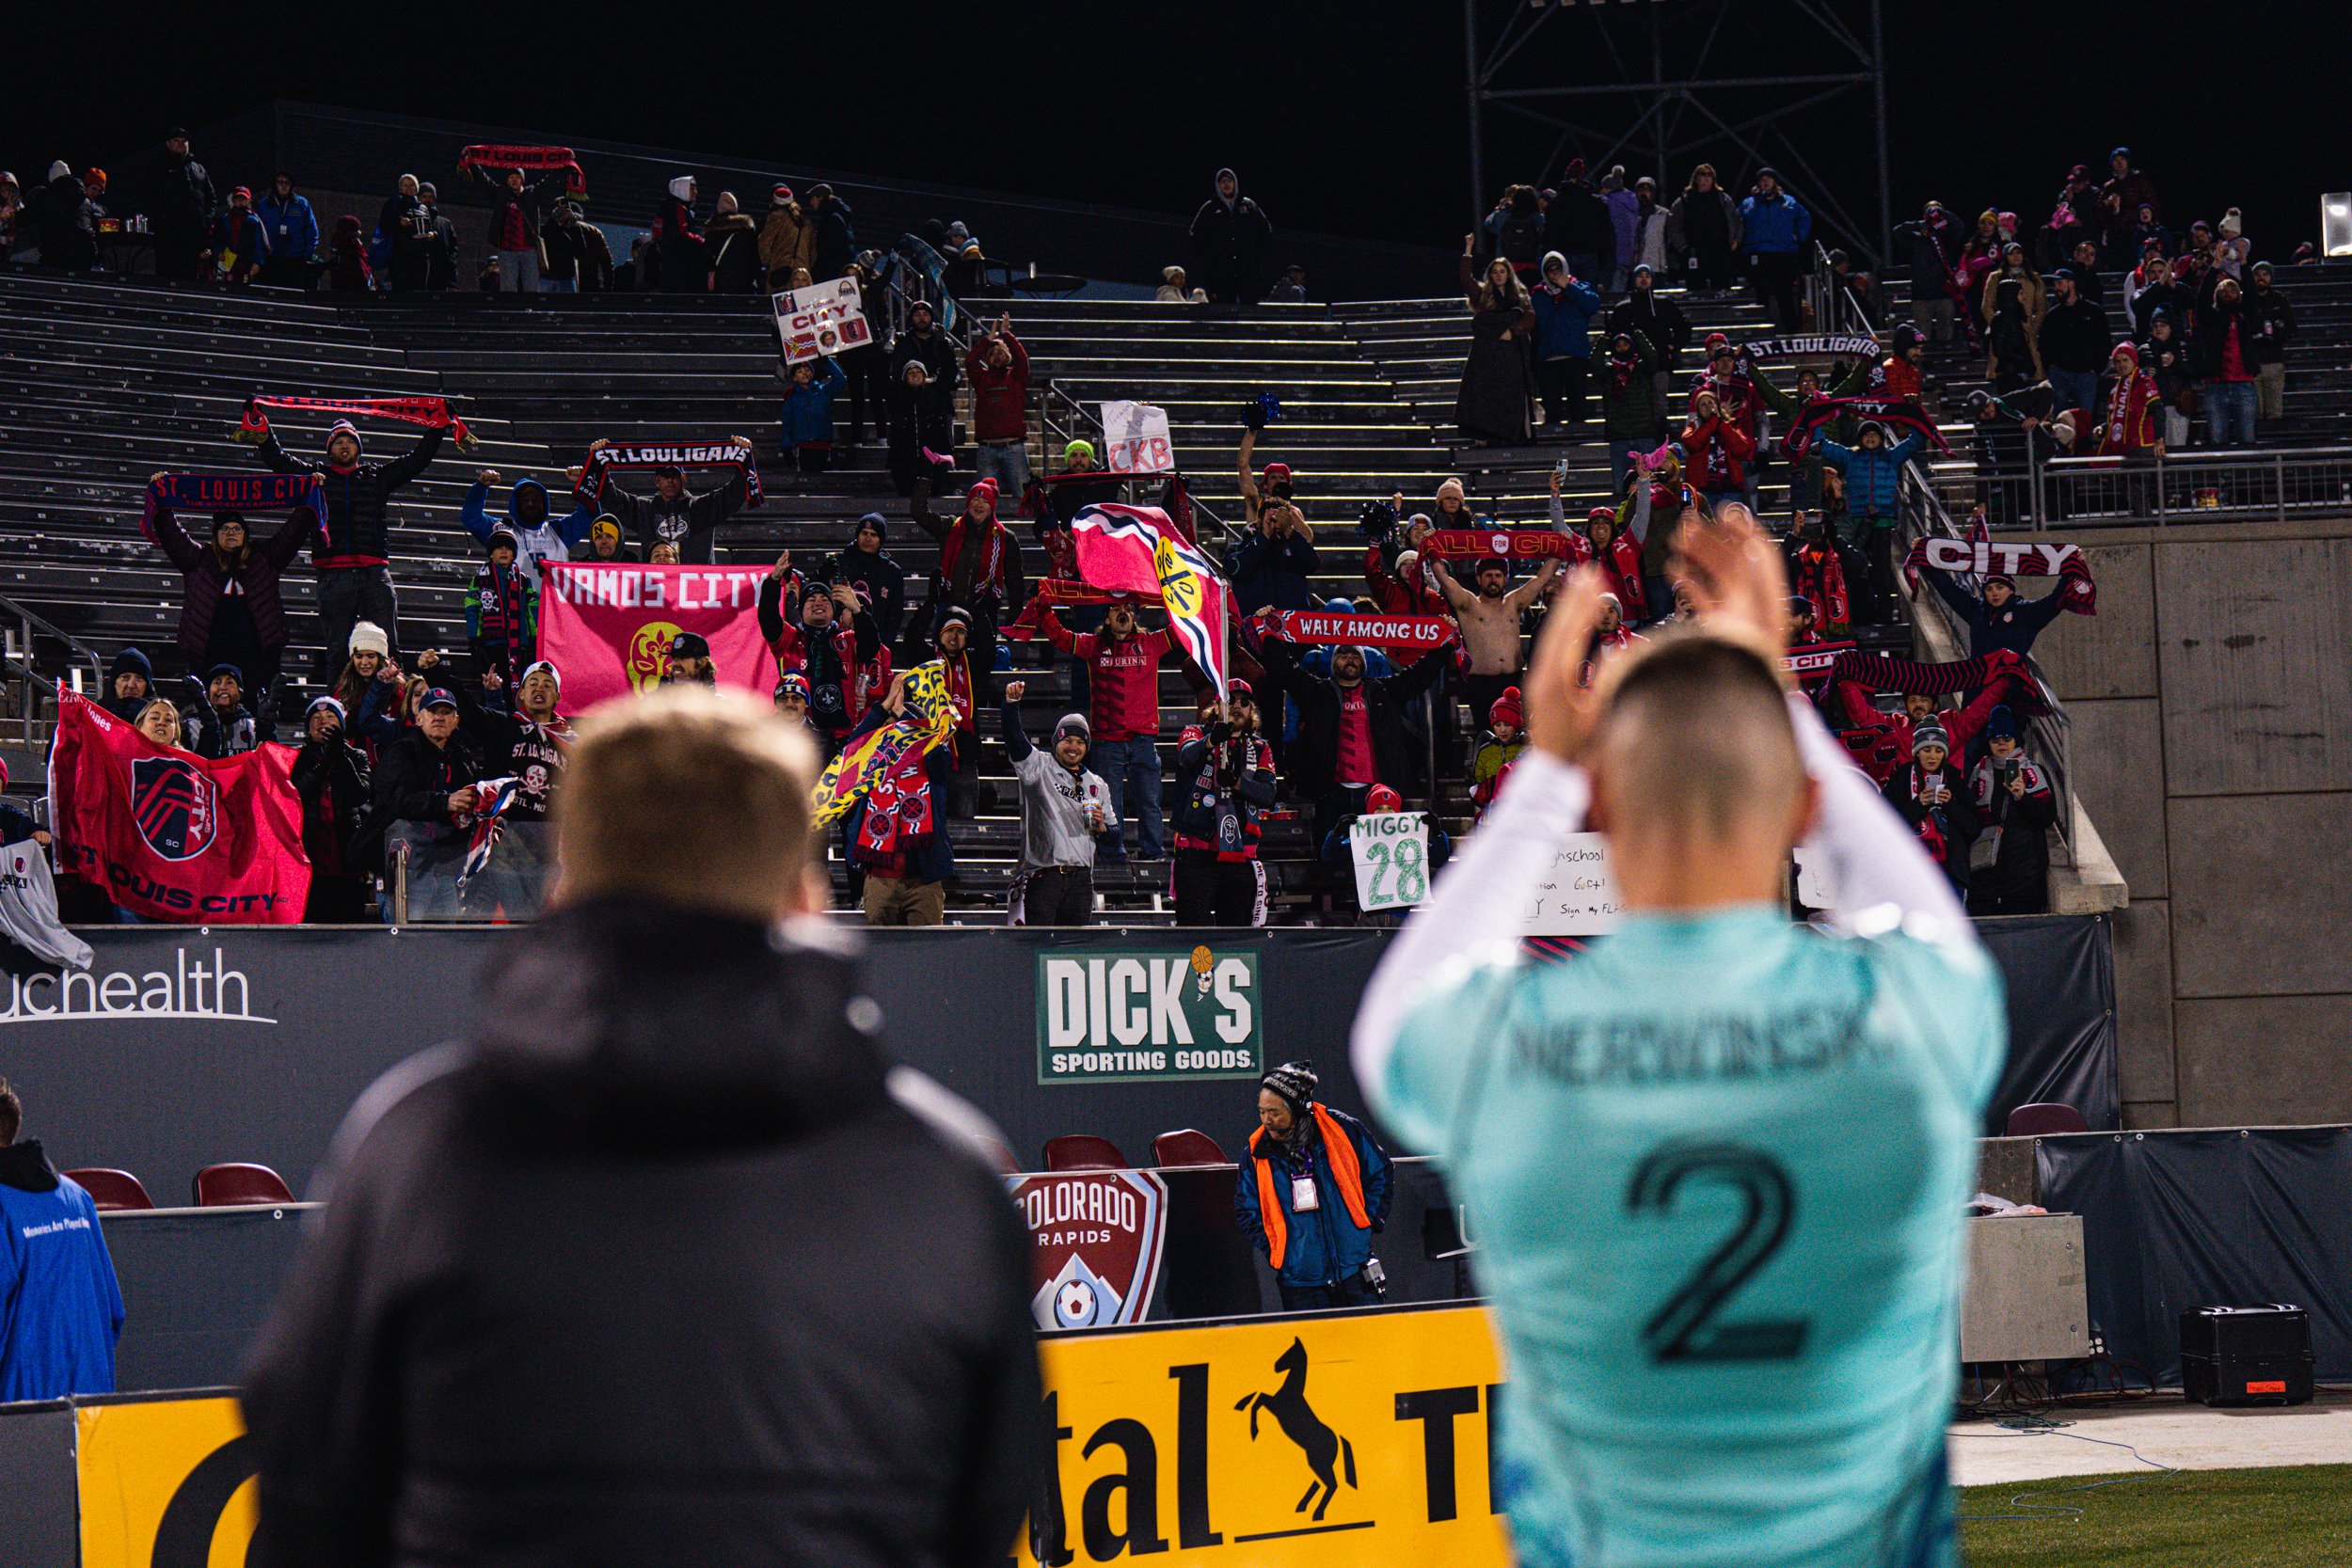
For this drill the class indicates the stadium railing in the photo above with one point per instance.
(2197, 486)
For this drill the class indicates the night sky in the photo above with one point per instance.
(1347, 119)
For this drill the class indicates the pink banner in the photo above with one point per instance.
(607, 628)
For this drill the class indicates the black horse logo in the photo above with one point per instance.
(1288, 1405)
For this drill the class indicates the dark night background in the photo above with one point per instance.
(1345, 119)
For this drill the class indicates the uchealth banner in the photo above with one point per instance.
(1510, 544)
(1363, 631)
(607, 628)
(1289, 1442)
(170, 835)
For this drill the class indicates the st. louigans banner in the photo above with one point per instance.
(1516, 544)
(1365, 631)
(172, 836)
(638, 456)
(1813, 346)
(608, 628)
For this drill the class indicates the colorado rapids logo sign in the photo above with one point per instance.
(176, 806)
(1095, 1237)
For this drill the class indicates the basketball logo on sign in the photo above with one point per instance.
(176, 806)
(1179, 587)
(649, 653)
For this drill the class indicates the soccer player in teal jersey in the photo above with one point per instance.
(1715, 1164)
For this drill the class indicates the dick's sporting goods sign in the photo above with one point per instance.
(1164, 1013)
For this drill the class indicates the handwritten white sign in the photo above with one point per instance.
(1391, 853)
(1577, 895)
(1139, 438)
(822, 319)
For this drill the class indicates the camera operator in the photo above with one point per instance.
(1311, 1193)
(2008, 864)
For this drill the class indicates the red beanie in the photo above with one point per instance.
(1506, 710)
(1383, 799)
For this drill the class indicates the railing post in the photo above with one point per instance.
(2279, 474)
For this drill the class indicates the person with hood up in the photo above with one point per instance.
(979, 567)
(674, 514)
(605, 541)
(2010, 863)
(673, 1072)
(1311, 1193)
(678, 241)
(352, 556)
(62, 220)
(830, 640)
(1873, 472)
(1647, 313)
(1703, 232)
(502, 614)
(1067, 811)
(65, 1309)
(233, 610)
(537, 536)
(517, 207)
(1123, 664)
(1233, 238)
(788, 241)
(130, 685)
(1492, 403)
(1564, 309)
(1650, 223)
(579, 256)
(870, 568)
(348, 269)
(331, 777)
(1351, 728)
(732, 242)
(293, 227)
(804, 429)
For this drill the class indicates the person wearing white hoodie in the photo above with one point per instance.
(678, 236)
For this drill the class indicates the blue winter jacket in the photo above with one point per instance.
(1776, 225)
(1563, 321)
(291, 226)
(1324, 1245)
(808, 410)
(60, 1309)
(1873, 479)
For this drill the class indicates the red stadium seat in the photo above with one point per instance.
(224, 1186)
(1083, 1151)
(112, 1189)
(1186, 1147)
(2045, 1117)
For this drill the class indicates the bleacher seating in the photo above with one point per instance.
(112, 1190)
(235, 1185)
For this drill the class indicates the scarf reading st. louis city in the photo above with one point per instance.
(493, 155)
(432, 413)
(207, 491)
(638, 456)
(1900, 413)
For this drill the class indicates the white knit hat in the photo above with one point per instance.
(368, 638)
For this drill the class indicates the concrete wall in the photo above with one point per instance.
(2212, 705)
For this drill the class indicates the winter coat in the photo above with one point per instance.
(678, 235)
(1627, 413)
(964, 576)
(2020, 861)
(2167, 359)
(1000, 399)
(1718, 453)
(1126, 676)
(1947, 830)
(1873, 479)
(253, 577)
(835, 243)
(1324, 1245)
(414, 780)
(569, 1297)
(331, 776)
(937, 354)
(1656, 318)
(530, 204)
(2075, 337)
(690, 522)
(1774, 225)
(1273, 569)
(786, 240)
(355, 532)
(63, 221)
(238, 242)
(578, 251)
(879, 578)
(502, 619)
(129, 661)
(1231, 241)
(1625, 219)
(291, 225)
(2269, 325)
(732, 242)
(1564, 320)
(550, 538)
(833, 657)
(212, 732)
(807, 417)
(1313, 761)
(2014, 627)
(1702, 221)
(64, 1309)
(1214, 777)
(179, 196)
(1578, 223)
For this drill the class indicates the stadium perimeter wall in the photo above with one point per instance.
(2212, 706)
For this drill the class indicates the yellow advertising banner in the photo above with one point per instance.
(1290, 1443)
(164, 1483)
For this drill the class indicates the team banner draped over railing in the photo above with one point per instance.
(167, 834)
(607, 628)
(1515, 544)
(1136, 548)
(1363, 631)
(432, 413)
(1900, 413)
(637, 456)
(500, 156)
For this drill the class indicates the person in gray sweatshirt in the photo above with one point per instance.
(1064, 809)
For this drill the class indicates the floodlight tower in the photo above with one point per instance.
(1738, 83)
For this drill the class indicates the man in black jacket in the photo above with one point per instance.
(674, 514)
(2076, 342)
(836, 241)
(924, 341)
(1351, 731)
(353, 553)
(2270, 327)
(665, 1261)
(180, 205)
(331, 777)
(1233, 237)
(426, 776)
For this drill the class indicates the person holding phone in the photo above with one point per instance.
(1932, 798)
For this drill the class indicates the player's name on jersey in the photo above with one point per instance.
(1641, 1049)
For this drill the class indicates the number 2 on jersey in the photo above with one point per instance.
(1684, 1328)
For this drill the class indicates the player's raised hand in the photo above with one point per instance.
(1561, 712)
(1737, 579)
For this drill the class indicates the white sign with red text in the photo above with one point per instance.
(822, 319)
(1136, 433)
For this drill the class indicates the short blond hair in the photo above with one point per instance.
(689, 797)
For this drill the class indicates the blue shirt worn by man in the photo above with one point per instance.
(60, 1309)
(1716, 1164)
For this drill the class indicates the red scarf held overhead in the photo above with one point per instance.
(494, 155)
(1511, 543)
(432, 413)
(1361, 631)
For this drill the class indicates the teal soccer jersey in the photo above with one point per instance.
(1715, 1168)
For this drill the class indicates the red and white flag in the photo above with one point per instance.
(1136, 549)
(169, 835)
(606, 626)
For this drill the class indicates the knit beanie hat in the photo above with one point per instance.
(368, 638)
(1295, 1082)
(1072, 723)
(1506, 710)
